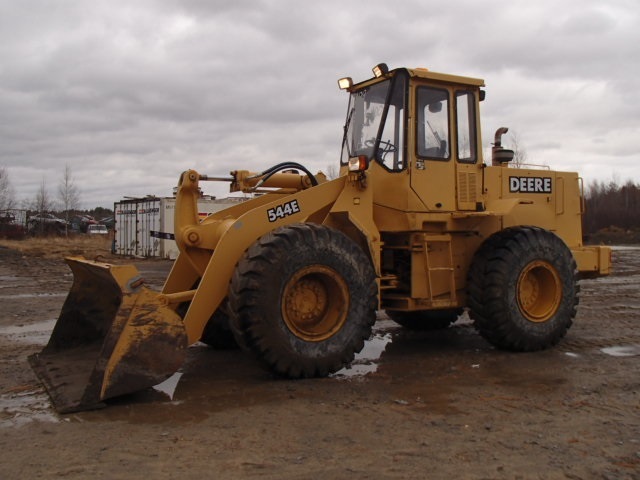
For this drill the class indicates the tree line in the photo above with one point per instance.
(67, 199)
(612, 205)
(66, 203)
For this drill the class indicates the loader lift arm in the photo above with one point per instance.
(210, 249)
(115, 336)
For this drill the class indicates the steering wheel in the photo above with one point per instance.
(387, 147)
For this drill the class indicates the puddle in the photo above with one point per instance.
(9, 278)
(622, 351)
(366, 361)
(21, 408)
(219, 390)
(168, 387)
(33, 333)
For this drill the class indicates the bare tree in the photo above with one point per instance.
(68, 194)
(332, 172)
(6, 190)
(520, 153)
(42, 202)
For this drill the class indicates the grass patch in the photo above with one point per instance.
(89, 246)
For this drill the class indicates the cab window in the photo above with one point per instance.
(375, 124)
(433, 123)
(466, 126)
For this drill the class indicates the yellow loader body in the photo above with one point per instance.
(416, 224)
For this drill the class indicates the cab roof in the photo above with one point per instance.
(423, 73)
(445, 77)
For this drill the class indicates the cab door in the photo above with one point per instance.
(433, 168)
(445, 173)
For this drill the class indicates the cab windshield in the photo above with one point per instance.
(376, 122)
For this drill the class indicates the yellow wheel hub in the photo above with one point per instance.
(315, 303)
(539, 291)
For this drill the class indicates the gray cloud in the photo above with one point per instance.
(130, 94)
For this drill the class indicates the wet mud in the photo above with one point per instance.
(412, 405)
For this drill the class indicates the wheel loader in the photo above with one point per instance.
(416, 224)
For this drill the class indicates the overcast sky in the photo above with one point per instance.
(129, 94)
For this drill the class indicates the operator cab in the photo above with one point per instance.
(420, 122)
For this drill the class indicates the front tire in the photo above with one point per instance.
(303, 299)
(522, 289)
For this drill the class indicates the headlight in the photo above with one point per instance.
(345, 83)
(380, 70)
(358, 164)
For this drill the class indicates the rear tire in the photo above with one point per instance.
(303, 299)
(522, 289)
(217, 333)
(425, 320)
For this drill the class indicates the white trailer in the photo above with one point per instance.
(144, 226)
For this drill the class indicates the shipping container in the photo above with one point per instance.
(144, 226)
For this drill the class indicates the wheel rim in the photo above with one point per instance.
(315, 303)
(539, 291)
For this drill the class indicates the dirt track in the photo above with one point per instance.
(439, 405)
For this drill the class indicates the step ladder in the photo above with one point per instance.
(434, 268)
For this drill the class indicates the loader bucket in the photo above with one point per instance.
(114, 336)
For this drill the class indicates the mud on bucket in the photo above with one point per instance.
(114, 336)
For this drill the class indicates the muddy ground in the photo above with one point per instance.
(414, 405)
